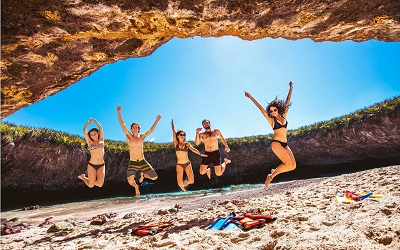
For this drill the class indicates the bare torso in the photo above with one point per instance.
(135, 145)
(210, 140)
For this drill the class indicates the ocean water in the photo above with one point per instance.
(201, 192)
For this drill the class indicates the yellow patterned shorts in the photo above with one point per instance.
(141, 165)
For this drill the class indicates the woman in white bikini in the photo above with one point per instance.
(275, 113)
(96, 167)
(183, 164)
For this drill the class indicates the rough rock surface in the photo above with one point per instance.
(48, 45)
(33, 169)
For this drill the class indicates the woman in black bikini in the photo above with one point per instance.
(275, 113)
(183, 164)
(96, 166)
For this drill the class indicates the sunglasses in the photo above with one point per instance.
(273, 110)
(182, 134)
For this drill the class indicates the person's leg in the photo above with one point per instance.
(286, 165)
(100, 175)
(190, 175)
(220, 169)
(205, 170)
(179, 177)
(147, 171)
(149, 174)
(132, 182)
(91, 179)
(141, 179)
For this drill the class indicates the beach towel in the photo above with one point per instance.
(151, 229)
(349, 197)
(245, 221)
(356, 197)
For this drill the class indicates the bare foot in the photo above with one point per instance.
(141, 177)
(226, 160)
(182, 188)
(269, 178)
(81, 177)
(209, 173)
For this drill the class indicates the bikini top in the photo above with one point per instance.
(177, 148)
(278, 125)
(94, 146)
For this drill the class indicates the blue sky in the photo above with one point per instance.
(189, 80)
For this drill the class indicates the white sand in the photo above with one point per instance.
(308, 217)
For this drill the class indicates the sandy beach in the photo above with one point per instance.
(308, 217)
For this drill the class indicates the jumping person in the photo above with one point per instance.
(210, 139)
(137, 162)
(96, 166)
(183, 164)
(275, 113)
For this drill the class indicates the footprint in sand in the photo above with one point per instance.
(240, 237)
(243, 235)
(314, 228)
(277, 234)
(302, 218)
(255, 239)
(328, 223)
(386, 211)
(164, 244)
(385, 240)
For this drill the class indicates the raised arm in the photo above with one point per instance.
(101, 133)
(227, 149)
(173, 132)
(258, 106)
(198, 139)
(121, 122)
(85, 134)
(287, 103)
(153, 127)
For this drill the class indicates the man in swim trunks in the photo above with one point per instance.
(137, 161)
(210, 140)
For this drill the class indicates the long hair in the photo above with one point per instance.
(94, 129)
(177, 135)
(279, 104)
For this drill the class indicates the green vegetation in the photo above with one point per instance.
(387, 108)
(11, 132)
(372, 114)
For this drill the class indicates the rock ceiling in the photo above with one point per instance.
(48, 45)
